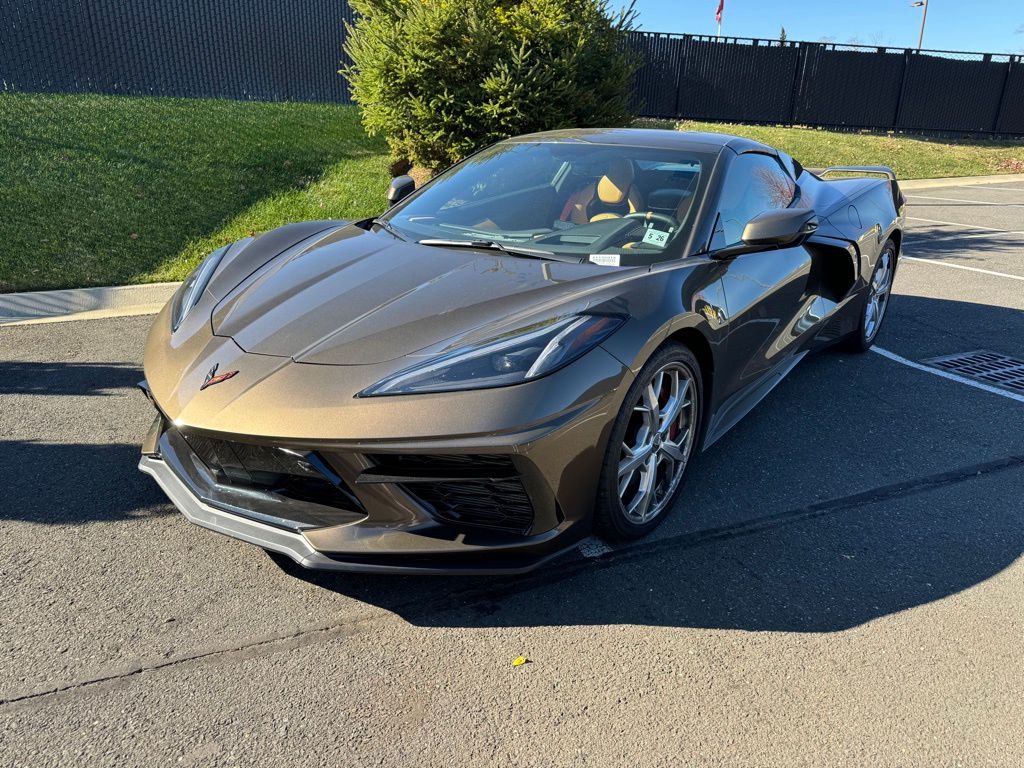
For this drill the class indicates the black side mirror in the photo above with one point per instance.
(789, 226)
(400, 187)
(773, 229)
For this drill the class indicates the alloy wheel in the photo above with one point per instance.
(657, 443)
(878, 295)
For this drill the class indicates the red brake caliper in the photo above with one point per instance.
(673, 430)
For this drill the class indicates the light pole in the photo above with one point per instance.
(924, 18)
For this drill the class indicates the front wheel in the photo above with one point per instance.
(652, 440)
(876, 301)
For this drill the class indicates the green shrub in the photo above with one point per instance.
(442, 78)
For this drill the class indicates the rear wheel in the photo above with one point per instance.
(876, 301)
(652, 441)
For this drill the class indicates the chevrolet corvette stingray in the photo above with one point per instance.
(534, 345)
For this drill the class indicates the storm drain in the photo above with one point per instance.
(982, 365)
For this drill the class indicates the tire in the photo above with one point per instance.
(621, 513)
(867, 330)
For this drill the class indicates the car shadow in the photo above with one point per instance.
(939, 241)
(66, 378)
(822, 572)
(854, 492)
(799, 520)
(75, 483)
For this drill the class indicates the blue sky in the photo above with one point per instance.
(983, 25)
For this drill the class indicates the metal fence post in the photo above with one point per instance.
(903, 88)
(1002, 93)
(798, 79)
(684, 48)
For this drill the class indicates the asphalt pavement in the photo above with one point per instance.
(840, 584)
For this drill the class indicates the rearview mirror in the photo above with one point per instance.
(773, 229)
(400, 187)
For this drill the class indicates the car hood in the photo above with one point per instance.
(355, 297)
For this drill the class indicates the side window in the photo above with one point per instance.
(754, 184)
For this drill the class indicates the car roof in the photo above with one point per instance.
(649, 137)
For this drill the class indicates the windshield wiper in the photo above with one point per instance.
(388, 227)
(494, 245)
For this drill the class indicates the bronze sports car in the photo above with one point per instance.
(534, 345)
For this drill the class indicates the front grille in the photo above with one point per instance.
(284, 474)
(247, 463)
(477, 490)
(989, 367)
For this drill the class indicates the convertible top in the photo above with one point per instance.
(655, 138)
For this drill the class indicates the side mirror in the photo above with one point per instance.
(400, 187)
(773, 229)
(788, 226)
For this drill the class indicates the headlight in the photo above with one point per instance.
(522, 355)
(192, 289)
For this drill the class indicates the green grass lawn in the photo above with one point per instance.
(910, 157)
(103, 190)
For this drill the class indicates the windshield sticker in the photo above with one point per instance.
(656, 237)
(605, 259)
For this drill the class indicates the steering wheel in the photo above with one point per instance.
(663, 218)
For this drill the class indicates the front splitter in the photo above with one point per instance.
(291, 543)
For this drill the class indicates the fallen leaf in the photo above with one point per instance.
(518, 661)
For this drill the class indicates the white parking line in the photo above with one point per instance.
(967, 235)
(968, 226)
(937, 263)
(947, 375)
(1000, 188)
(963, 200)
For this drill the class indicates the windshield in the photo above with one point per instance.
(611, 204)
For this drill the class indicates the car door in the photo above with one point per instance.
(764, 291)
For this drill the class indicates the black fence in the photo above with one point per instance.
(266, 50)
(281, 50)
(826, 84)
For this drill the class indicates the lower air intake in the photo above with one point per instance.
(481, 491)
(299, 484)
(501, 504)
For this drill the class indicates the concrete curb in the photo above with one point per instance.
(962, 181)
(83, 303)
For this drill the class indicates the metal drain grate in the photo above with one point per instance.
(982, 365)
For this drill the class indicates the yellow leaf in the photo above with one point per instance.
(518, 661)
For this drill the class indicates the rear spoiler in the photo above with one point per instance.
(864, 170)
(869, 170)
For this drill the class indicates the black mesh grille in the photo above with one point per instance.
(496, 504)
(293, 474)
(243, 462)
(413, 461)
(498, 501)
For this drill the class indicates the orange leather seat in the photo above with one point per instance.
(611, 196)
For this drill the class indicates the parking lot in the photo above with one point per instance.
(841, 582)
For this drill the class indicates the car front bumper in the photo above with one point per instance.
(296, 546)
(394, 525)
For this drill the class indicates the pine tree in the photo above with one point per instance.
(440, 79)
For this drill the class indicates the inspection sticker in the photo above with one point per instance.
(656, 237)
